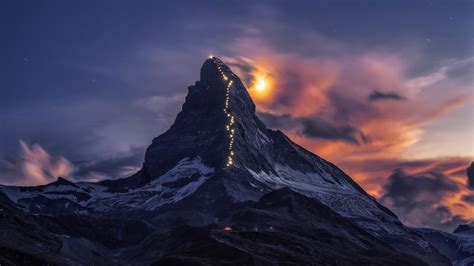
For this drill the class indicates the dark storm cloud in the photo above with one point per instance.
(468, 198)
(416, 199)
(314, 127)
(470, 176)
(318, 128)
(379, 96)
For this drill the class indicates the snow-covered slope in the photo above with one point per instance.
(171, 187)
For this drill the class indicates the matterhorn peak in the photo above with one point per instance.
(216, 120)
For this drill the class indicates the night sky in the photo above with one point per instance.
(383, 89)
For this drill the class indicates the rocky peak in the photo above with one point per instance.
(218, 126)
(216, 76)
(217, 110)
(63, 181)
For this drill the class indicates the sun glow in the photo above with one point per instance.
(261, 85)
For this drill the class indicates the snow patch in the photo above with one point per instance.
(304, 182)
(341, 197)
(163, 190)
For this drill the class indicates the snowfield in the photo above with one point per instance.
(173, 186)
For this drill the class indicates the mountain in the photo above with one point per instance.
(216, 159)
(282, 227)
(22, 240)
(274, 230)
(457, 246)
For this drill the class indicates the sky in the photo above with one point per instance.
(383, 89)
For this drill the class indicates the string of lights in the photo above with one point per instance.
(230, 123)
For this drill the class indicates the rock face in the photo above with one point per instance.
(23, 241)
(457, 246)
(282, 227)
(218, 157)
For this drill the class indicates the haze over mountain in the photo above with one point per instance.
(218, 187)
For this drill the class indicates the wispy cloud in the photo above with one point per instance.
(442, 73)
(34, 166)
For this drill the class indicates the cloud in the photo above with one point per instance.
(166, 107)
(314, 127)
(468, 198)
(440, 74)
(116, 166)
(319, 128)
(34, 166)
(378, 96)
(373, 173)
(418, 199)
(470, 176)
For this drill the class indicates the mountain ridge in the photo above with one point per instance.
(218, 156)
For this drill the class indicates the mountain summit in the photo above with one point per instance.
(219, 128)
(218, 163)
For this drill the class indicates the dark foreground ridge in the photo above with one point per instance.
(218, 187)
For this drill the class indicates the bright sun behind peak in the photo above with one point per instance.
(261, 84)
(261, 87)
